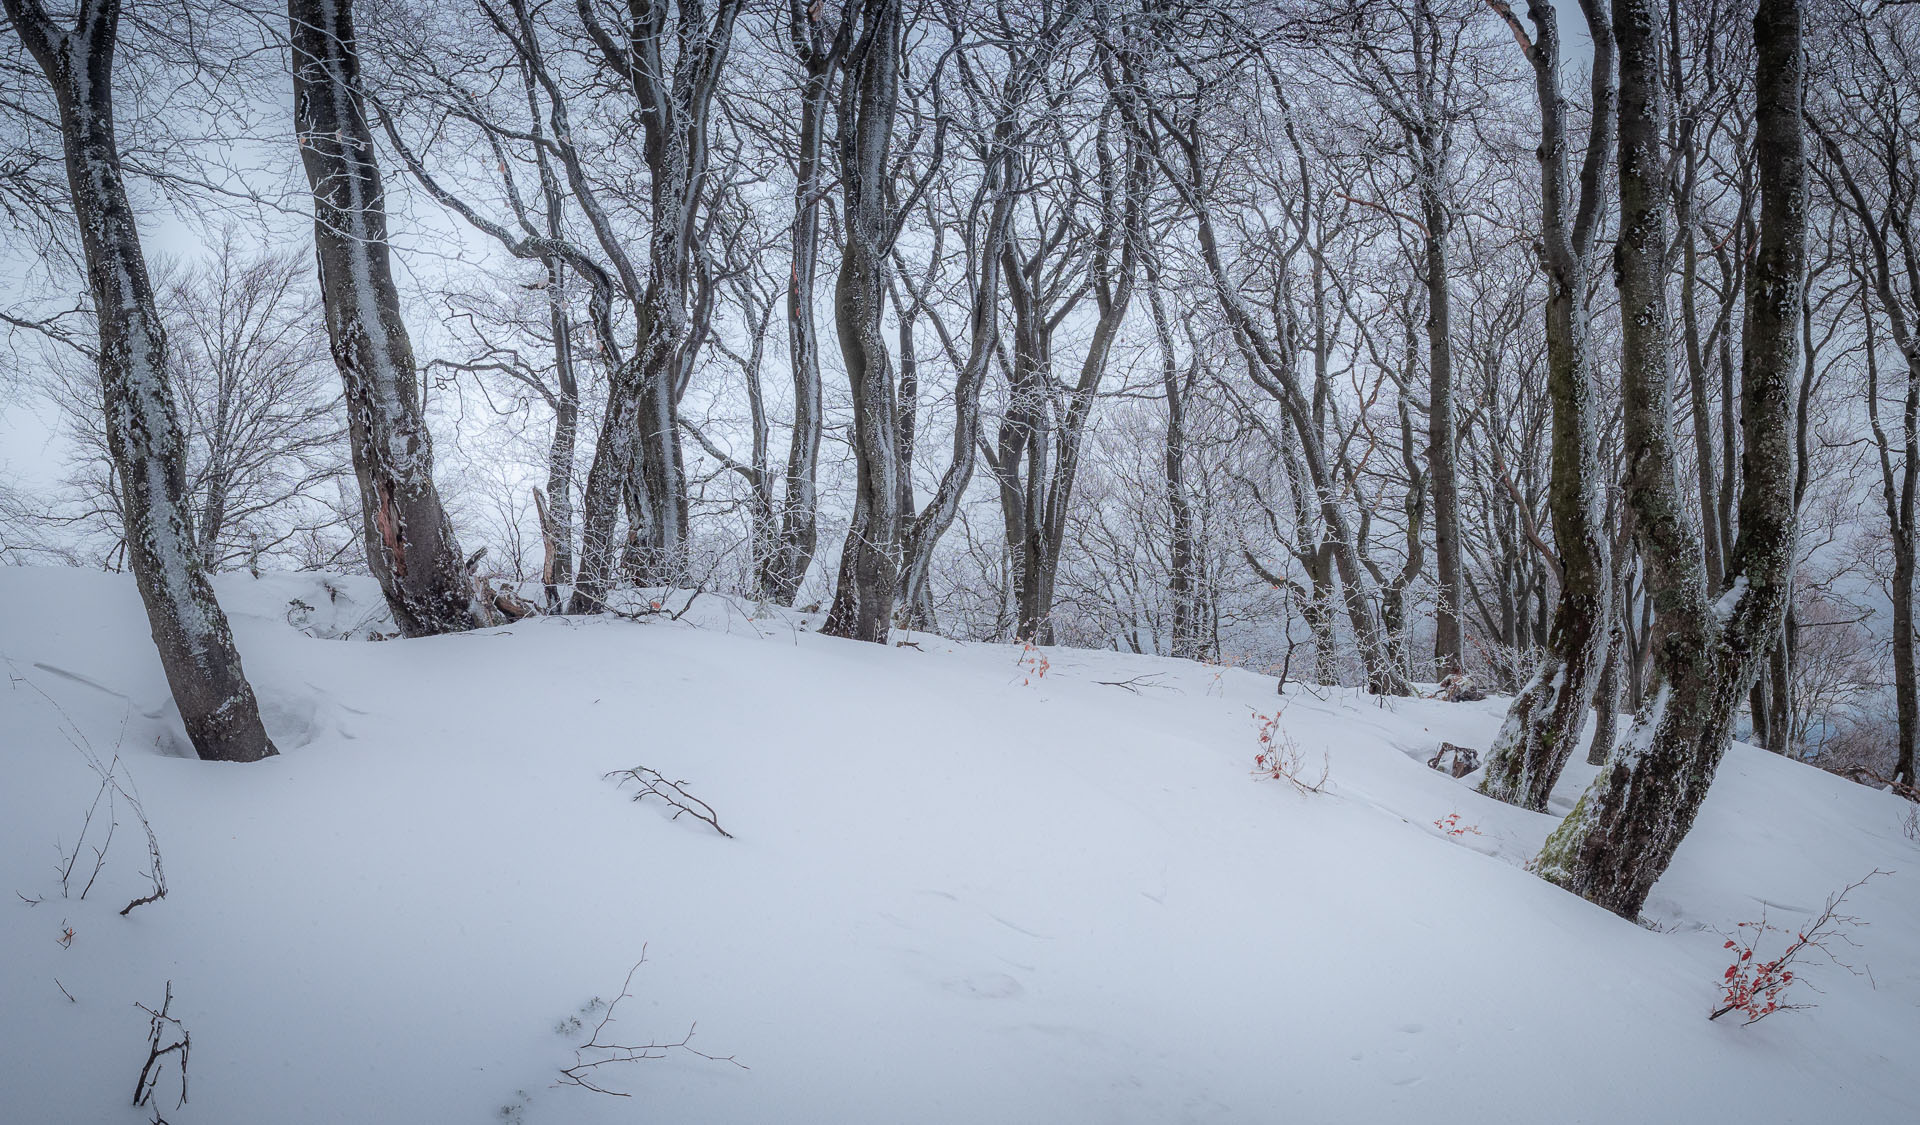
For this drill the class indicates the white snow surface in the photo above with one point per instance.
(957, 892)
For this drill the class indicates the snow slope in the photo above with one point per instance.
(958, 891)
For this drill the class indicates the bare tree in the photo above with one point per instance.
(638, 457)
(257, 401)
(1872, 172)
(410, 542)
(870, 563)
(196, 647)
(1176, 137)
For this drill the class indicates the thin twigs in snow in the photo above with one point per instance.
(654, 784)
(162, 1026)
(596, 1052)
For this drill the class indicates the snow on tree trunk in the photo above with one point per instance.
(1623, 832)
(217, 705)
(1547, 716)
(410, 542)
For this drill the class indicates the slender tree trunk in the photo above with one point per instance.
(1547, 717)
(1623, 832)
(196, 648)
(566, 425)
(410, 543)
(1431, 131)
(999, 189)
(1183, 579)
(799, 531)
(1906, 685)
(1442, 472)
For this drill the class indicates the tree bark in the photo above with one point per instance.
(410, 543)
(197, 653)
(870, 563)
(1623, 832)
(819, 49)
(1547, 717)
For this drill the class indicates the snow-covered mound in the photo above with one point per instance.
(960, 887)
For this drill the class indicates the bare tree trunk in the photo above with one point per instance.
(202, 666)
(410, 543)
(1442, 470)
(1547, 717)
(819, 49)
(1623, 832)
(1183, 578)
(566, 424)
(870, 563)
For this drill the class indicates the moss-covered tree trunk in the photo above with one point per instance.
(1623, 832)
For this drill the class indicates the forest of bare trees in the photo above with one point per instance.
(1568, 351)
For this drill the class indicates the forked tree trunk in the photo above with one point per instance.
(1623, 832)
(410, 543)
(196, 648)
(1548, 715)
(637, 460)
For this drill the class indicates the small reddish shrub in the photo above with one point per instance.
(1756, 988)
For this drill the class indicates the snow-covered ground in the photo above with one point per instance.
(957, 890)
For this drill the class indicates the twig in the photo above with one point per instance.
(654, 784)
(182, 1042)
(583, 1067)
(683, 609)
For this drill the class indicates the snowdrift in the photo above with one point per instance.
(962, 887)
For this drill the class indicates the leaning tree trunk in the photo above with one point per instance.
(202, 666)
(410, 542)
(870, 563)
(1546, 719)
(1623, 832)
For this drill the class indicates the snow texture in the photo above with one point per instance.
(996, 897)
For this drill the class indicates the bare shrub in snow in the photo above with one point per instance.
(116, 790)
(1281, 758)
(1757, 989)
(166, 1035)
